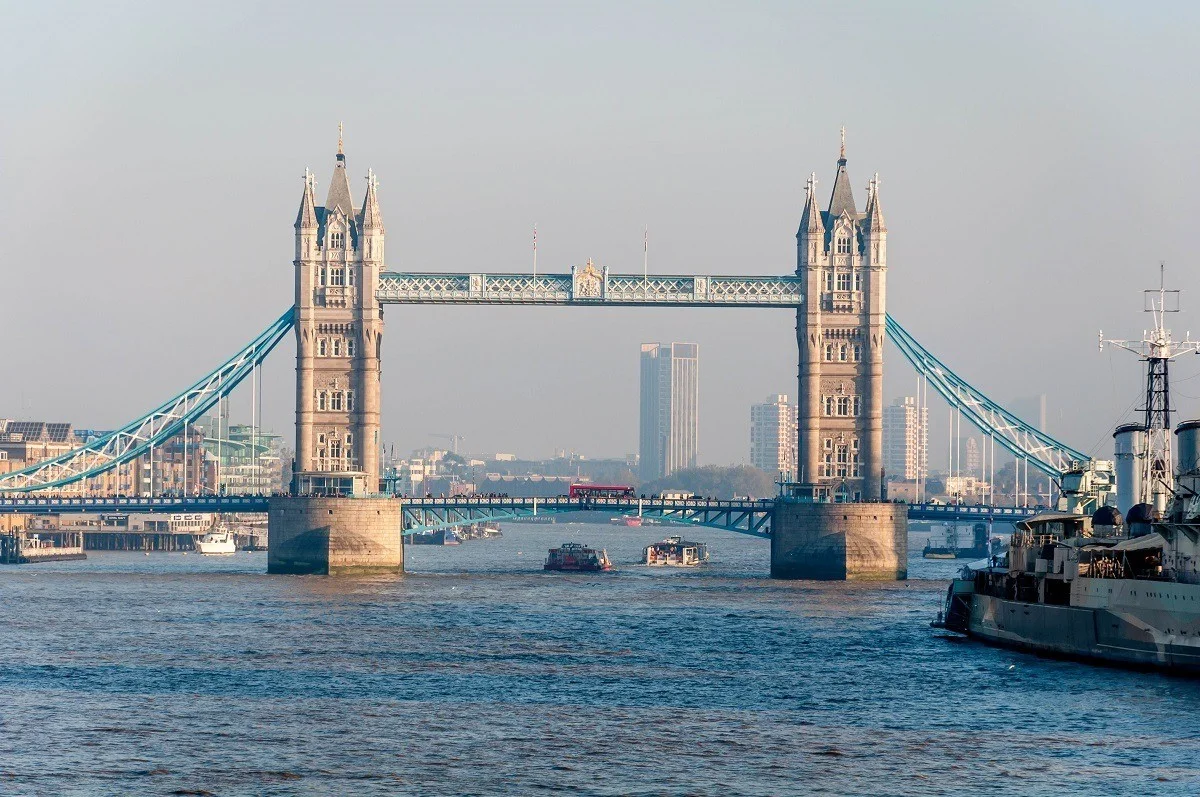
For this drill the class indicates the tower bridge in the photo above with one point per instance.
(833, 523)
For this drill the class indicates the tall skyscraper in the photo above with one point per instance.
(842, 260)
(669, 418)
(773, 435)
(906, 439)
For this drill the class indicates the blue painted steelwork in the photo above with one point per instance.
(962, 512)
(743, 517)
(33, 505)
(590, 285)
(155, 427)
(1022, 439)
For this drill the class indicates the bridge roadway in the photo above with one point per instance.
(426, 514)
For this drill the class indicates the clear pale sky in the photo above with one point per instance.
(1037, 160)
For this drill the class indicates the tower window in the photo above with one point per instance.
(857, 352)
(843, 405)
(335, 450)
(843, 245)
(843, 281)
(857, 407)
(337, 347)
(829, 352)
(322, 347)
(349, 401)
(858, 280)
(350, 347)
(321, 439)
(828, 411)
(842, 353)
(349, 439)
(335, 399)
(337, 240)
(321, 275)
(350, 276)
(829, 280)
(322, 401)
(337, 276)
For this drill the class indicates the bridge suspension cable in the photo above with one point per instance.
(152, 429)
(1021, 439)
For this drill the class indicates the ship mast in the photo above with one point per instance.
(1157, 348)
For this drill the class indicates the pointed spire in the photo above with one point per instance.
(339, 185)
(811, 221)
(306, 218)
(371, 218)
(842, 198)
(874, 215)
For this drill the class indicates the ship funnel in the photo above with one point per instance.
(1129, 444)
(1188, 470)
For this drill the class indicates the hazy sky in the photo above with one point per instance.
(1037, 159)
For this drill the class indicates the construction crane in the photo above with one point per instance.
(454, 439)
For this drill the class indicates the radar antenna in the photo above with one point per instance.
(1157, 348)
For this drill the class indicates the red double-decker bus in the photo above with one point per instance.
(601, 491)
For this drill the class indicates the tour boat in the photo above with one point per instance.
(217, 541)
(627, 520)
(573, 556)
(675, 552)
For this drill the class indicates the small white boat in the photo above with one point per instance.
(219, 541)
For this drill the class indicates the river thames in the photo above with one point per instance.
(477, 673)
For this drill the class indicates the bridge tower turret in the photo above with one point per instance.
(840, 331)
(339, 329)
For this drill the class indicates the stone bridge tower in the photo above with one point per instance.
(339, 329)
(831, 524)
(841, 329)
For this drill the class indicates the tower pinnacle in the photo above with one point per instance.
(340, 126)
(842, 155)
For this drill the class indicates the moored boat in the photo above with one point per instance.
(219, 541)
(574, 557)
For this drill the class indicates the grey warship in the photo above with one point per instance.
(1088, 580)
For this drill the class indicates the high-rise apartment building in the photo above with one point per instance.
(906, 439)
(773, 435)
(669, 417)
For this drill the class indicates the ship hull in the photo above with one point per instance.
(1119, 635)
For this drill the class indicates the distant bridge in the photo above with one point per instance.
(743, 516)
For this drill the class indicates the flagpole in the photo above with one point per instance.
(535, 251)
(646, 263)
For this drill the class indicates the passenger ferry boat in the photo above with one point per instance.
(575, 557)
(627, 520)
(675, 552)
(219, 541)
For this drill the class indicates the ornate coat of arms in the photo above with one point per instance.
(589, 282)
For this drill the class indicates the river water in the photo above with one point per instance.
(477, 673)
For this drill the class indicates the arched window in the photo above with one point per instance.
(842, 353)
(858, 280)
(829, 352)
(321, 275)
(322, 347)
(829, 405)
(857, 407)
(336, 401)
(337, 347)
(857, 352)
(350, 347)
(829, 280)
(337, 276)
(350, 275)
(322, 401)
(335, 451)
(337, 240)
(349, 438)
(349, 401)
(843, 405)
(843, 245)
(321, 439)
(843, 281)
